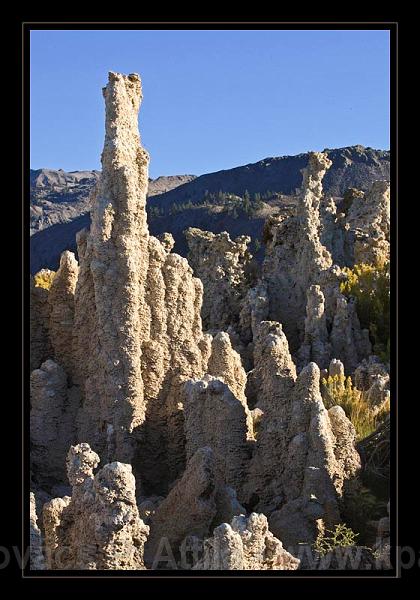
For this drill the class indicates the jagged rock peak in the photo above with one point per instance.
(245, 544)
(99, 526)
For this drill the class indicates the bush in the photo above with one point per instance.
(44, 278)
(339, 390)
(369, 284)
(340, 537)
(361, 509)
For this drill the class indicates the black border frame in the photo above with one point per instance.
(191, 23)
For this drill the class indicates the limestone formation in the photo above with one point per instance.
(254, 310)
(245, 544)
(369, 219)
(301, 274)
(372, 377)
(336, 368)
(99, 527)
(299, 468)
(316, 346)
(295, 256)
(189, 508)
(197, 430)
(359, 233)
(351, 195)
(348, 341)
(221, 265)
(61, 301)
(37, 561)
(214, 417)
(138, 333)
(225, 363)
(52, 423)
(40, 345)
(56, 548)
(340, 335)
(334, 233)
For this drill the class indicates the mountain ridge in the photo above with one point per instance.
(60, 200)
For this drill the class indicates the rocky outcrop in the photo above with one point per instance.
(245, 544)
(221, 265)
(189, 508)
(39, 316)
(123, 366)
(254, 310)
(336, 368)
(369, 220)
(316, 346)
(52, 423)
(214, 417)
(61, 321)
(56, 547)
(137, 319)
(301, 276)
(339, 335)
(333, 232)
(99, 527)
(295, 256)
(37, 561)
(226, 364)
(349, 342)
(372, 377)
(299, 468)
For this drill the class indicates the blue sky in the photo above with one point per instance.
(212, 99)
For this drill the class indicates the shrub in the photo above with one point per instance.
(361, 509)
(44, 278)
(340, 537)
(369, 284)
(339, 390)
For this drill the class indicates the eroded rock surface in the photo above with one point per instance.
(99, 526)
(61, 316)
(189, 508)
(138, 333)
(52, 422)
(245, 544)
(221, 265)
(215, 417)
(369, 219)
(299, 468)
(294, 254)
(37, 561)
(40, 344)
(122, 365)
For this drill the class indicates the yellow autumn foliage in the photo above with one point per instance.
(44, 278)
(370, 285)
(339, 390)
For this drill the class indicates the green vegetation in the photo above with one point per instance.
(369, 284)
(234, 205)
(340, 537)
(339, 390)
(361, 508)
(154, 211)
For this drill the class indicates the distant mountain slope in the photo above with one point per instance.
(60, 196)
(59, 200)
(354, 166)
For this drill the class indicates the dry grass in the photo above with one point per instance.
(339, 390)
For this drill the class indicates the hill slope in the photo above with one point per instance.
(59, 200)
